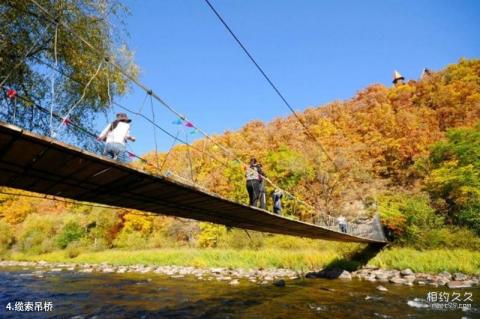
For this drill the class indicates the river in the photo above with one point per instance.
(96, 295)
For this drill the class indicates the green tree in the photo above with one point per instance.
(453, 178)
(409, 217)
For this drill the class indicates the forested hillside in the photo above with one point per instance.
(410, 152)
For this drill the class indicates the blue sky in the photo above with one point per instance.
(315, 51)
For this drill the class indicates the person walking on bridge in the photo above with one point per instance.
(342, 223)
(253, 175)
(277, 201)
(116, 135)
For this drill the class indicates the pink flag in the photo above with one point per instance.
(189, 124)
(131, 154)
(66, 121)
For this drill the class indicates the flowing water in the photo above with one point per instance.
(97, 295)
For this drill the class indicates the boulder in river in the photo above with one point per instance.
(333, 273)
(382, 276)
(409, 279)
(398, 281)
(407, 272)
(446, 275)
(381, 288)
(459, 276)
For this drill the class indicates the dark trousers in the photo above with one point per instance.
(262, 195)
(253, 189)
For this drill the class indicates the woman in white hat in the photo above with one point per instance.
(116, 135)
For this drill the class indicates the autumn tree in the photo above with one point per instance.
(32, 42)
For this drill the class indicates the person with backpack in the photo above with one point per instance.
(253, 175)
(277, 201)
(115, 135)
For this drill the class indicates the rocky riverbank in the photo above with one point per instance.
(401, 277)
(277, 277)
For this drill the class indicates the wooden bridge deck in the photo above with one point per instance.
(44, 165)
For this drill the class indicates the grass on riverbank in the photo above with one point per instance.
(268, 258)
(430, 261)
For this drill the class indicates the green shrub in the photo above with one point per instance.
(74, 249)
(449, 238)
(470, 217)
(407, 217)
(72, 231)
(416, 224)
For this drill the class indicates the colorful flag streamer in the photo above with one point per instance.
(11, 93)
(195, 131)
(189, 124)
(66, 121)
(131, 155)
(177, 122)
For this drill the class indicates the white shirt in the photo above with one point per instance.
(117, 135)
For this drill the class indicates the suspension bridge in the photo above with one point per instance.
(40, 164)
(45, 165)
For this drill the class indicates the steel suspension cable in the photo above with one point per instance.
(155, 134)
(277, 91)
(81, 97)
(52, 104)
(169, 151)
